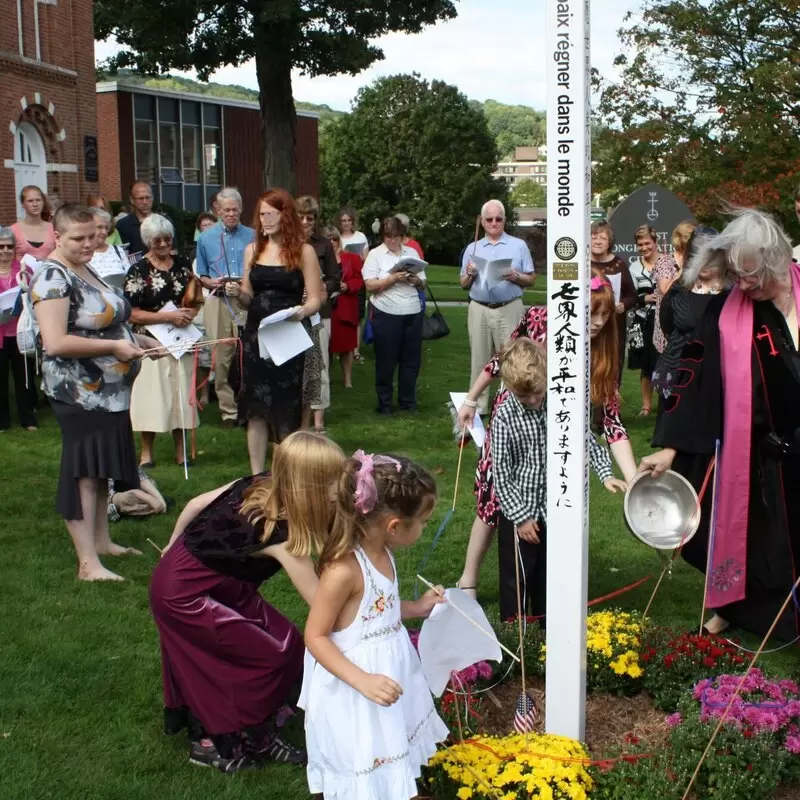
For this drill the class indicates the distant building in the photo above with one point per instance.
(188, 146)
(529, 163)
(48, 122)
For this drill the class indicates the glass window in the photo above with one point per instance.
(167, 110)
(168, 134)
(145, 145)
(190, 112)
(144, 106)
(192, 146)
(212, 148)
(212, 116)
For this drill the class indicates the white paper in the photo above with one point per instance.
(409, 264)
(281, 338)
(491, 274)
(315, 319)
(177, 340)
(8, 299)
(32, 263)
(448, 642)
(616, 285)
(477, 431)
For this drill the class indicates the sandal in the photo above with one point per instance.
(358, 358)
(470, 591)
(645, 412)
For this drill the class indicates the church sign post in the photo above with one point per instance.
(568, 289)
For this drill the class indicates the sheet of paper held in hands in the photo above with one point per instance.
(616, 285)
(281, 338)
(491, 273)
(177, 340)
(477, 431)
(409, 264)
(30, 262)
(358, 249)
(8, 302)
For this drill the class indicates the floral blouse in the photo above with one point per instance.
(666, 268)
(150, 289)
(100, 383)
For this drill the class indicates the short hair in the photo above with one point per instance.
(523, 367)
(139, 183)
(93, 199)
(202, 217)
(7, 232)
(71, 214)
(102, 214)
(228, 193)
(751, 235)
(488, 204)
(604, 227)
(681, 235)
(153, 226)
(392, 226)
(306, 204)
(405, 220)
(645, 231)
(332, 232)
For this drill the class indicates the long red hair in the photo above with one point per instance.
(604, 346)
(292, 234)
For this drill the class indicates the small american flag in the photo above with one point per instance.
(525, 715)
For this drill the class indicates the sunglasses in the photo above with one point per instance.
(7, 247)
(494, 219)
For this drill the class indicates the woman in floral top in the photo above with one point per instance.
(89, 363)
(533, 325)
(160, 401)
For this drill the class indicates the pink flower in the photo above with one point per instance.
(673, 720)
(793, 744)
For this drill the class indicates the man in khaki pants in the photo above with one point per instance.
(220, 263)
(495, 292)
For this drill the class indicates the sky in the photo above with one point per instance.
(490, 51)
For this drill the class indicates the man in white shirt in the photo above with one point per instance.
(495, 309)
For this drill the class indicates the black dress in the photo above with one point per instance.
(692, 422)
(269, 392)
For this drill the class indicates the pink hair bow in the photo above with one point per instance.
(366, 494)
(599, 282)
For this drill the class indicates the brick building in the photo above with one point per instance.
(48, 113)
(189, 145)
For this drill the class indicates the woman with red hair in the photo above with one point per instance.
(278, 268)
(604, 395)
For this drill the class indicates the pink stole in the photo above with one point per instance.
(727, 569)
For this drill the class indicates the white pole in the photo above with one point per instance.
(568, 219)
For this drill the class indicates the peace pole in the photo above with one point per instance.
(568, 219)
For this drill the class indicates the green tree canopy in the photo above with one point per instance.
(514, 126)
(318, 38)
(414, 147)
(529, 193)
(708, 104)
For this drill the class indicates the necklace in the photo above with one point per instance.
(714, 288)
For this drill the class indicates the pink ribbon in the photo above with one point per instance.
(366, 494)
(598, 282)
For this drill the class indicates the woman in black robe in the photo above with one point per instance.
(738, 381)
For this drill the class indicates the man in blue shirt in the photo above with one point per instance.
(220, 263)
(495, 294)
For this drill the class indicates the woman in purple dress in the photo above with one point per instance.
(230, 661)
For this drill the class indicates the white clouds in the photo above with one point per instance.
(492, 52)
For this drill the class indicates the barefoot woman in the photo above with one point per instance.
(87, 370)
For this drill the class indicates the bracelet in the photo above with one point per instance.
(470, 403)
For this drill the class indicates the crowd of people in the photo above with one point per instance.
(712, 330)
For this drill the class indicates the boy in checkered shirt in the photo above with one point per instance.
(519, 462)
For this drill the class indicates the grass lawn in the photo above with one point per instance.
(80, 707)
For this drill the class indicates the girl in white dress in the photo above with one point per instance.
(370, 720)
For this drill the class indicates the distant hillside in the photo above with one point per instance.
(232, 92)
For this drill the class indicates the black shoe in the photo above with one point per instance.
(282, 752)
(409, 409)
(384, 410)
(205, 754)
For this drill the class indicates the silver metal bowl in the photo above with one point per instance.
(662, 512)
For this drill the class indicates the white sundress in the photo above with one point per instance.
(357, 749)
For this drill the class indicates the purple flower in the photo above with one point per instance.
(793, 744)
(673, 720)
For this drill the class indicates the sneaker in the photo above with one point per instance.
(205, 754)
(282, 752)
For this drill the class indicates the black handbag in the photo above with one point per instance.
(434, 325)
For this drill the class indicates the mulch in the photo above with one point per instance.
(612, 722)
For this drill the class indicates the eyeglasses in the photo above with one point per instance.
(494, 219)
(6, 247)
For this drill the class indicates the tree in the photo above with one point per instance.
(708, 103)
(529, 193)
(319, 38)
(514, 126)
(414, 147)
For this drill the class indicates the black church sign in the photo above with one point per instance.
(651, 205)
(90, 161)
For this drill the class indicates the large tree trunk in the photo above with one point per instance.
(278, 118)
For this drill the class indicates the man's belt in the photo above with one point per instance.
(493, 305)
